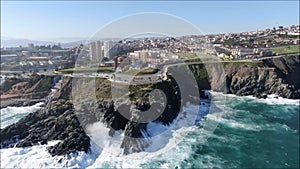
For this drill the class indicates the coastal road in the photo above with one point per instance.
(123, 78)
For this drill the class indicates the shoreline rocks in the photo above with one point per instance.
(14, 102)
(60, 120)
(57, 121)
(64, 120)
(279, 76)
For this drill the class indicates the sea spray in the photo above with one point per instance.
(249, 132)
(10, 115)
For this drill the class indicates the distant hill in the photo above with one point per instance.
(14, 42)
(73, 44)
(65, 42)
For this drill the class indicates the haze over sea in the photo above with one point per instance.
(251, 133)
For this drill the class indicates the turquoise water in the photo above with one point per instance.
(10, 115)
(250, 134)
(2, 80)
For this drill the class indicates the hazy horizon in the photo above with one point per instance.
(69, 20)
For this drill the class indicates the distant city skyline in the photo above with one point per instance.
(63, 20)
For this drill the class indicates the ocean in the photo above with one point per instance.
(2, 79)
(246, 133)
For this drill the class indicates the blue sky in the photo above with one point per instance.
(61, 19)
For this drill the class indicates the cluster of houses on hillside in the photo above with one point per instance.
(150, 58)
(149, 52)
(241, 53)
(141, 59)
(35, 58)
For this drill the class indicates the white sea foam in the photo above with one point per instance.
(109, 154)
(271, 99)
(234, 124)
(28, 157)
(38, 157)
(54, 89)
(166, 145)
(163, 138)
(2, 79)
(251, 124)
(10, 115)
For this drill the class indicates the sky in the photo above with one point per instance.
(51, 20)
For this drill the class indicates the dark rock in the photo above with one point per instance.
(136, 138)
(65, 92)
(264, 96)
(278, 76)
(60, 120)
(56, 122)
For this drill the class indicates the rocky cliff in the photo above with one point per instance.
(65, 120)
(36, 86)
(68, 114)
(56, 121)
(278, 76)
(25, 91)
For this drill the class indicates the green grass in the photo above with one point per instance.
(283, 50)
(253, 64)
(140, 91)
(44, 84)
(201, 74)
(232, 62)
(191, 56)
(186, 55)
(103, 89)
(82, 70)
(8, 83)
(141, 72)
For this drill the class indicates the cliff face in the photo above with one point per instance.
(65, 120)
(14, 91)
(57, 121)
(66, 116)
(278, 76)
(129, 113)
(287, 68)
(37, 86)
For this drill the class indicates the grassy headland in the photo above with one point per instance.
(284, 50)
(107, 69)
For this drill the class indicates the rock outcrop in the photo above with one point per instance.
(278, 76)
(130, 116)
(25, 91)
(37, 86)
(56, 121)
(62, 120)
(68, 114)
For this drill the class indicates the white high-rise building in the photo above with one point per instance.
(96, 51)
(99, 50)
(107, 45)
(92, 51)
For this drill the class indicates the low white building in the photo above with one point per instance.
(241, 52)
(9, 58)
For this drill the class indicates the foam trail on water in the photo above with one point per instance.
(271, 99)
(165, 149)
(163, 139)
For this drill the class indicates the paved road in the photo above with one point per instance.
(123, 78)
(130, 79)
